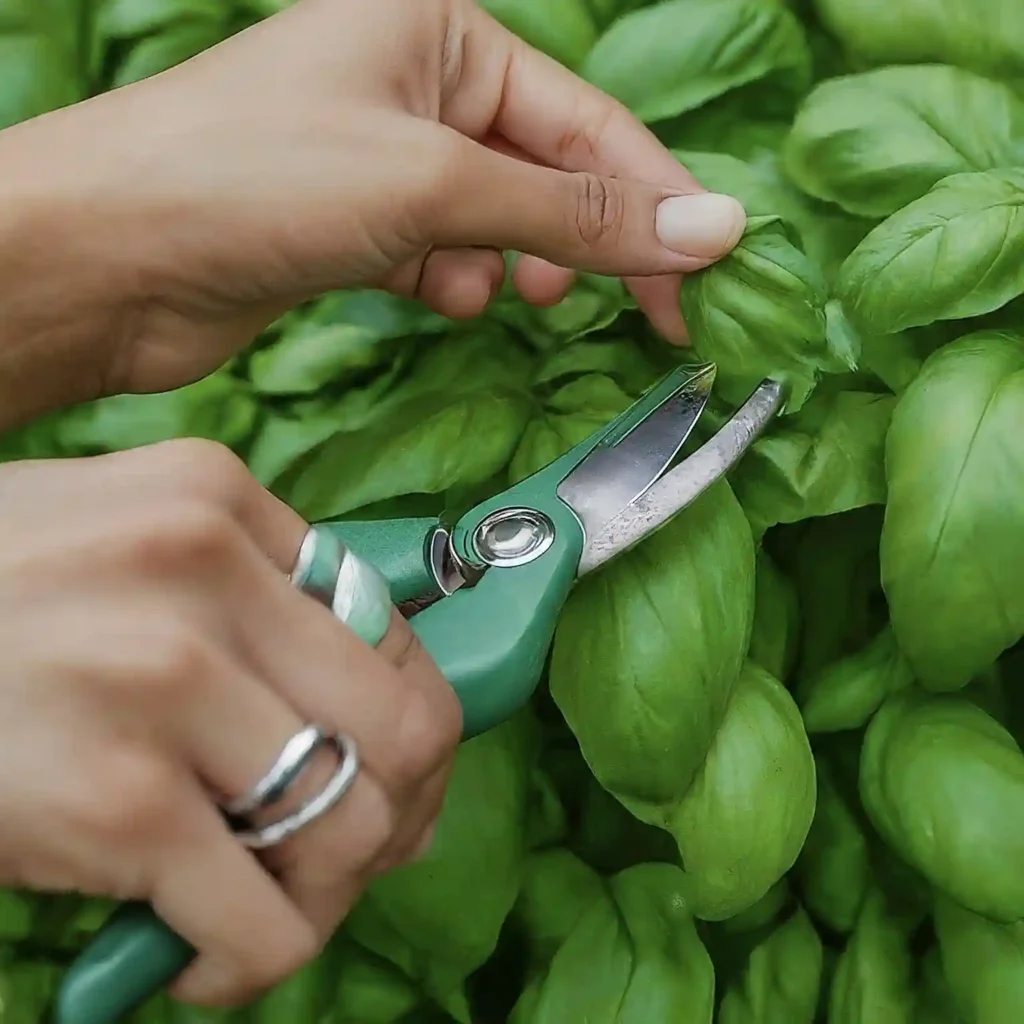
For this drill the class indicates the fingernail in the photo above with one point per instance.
(707, 224)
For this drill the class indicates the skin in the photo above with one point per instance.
(147, 235)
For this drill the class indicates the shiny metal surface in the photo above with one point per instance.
(290, 764)
(335, 789)
(686, 482)
(613, 476)
(513, 536)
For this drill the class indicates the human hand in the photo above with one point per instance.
(350, 143)
(156, 661)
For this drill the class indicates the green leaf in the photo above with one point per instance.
(845, 694)
(304, 361)
(834, 867)
(128, 19)
(170, 47)
(873, 978)
(569, 416)
(621, 359)
(426, 446)
(648, 650)
(986, 36)
(760, 312)
(563, 29)
(675, 55)
(557, 890)
(952, 550)
(944, 785)
(836, 573)
(609, 838)
(782, 978)
(41, 57)
(874, 142)
(742, 823)
(983, 963)
(439, 918)
(633, 957)
(774, 639)
(828, 458)
(953, 253)
(219, 407)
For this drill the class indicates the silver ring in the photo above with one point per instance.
(352, 588)
(318, 565)
(337, 786)
(290, 764)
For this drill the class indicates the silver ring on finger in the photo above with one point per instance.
(290, 764)
(340, 782)
(352, 588)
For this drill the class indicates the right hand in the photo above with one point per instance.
(156, 659)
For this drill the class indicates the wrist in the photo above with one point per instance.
(65, 300)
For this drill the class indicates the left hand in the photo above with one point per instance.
(341, 143)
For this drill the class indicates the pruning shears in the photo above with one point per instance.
(484, 596)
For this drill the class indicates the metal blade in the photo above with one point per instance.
(613, 476)
(682, 485)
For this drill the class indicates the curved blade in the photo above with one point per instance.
(614, 475)
(682, 485)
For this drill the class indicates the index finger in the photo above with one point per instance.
(506, 88)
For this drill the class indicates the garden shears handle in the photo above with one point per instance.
(489, 642)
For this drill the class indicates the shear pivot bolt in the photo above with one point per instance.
(513, 536)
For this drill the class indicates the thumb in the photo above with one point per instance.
(579, 220)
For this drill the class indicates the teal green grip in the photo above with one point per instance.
(133, 957)
(397, 547)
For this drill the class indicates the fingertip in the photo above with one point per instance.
(461, 283)
(658, 300)
(539, 282)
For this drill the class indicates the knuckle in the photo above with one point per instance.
(598, 209)
(178, 663)
(429, 730)
(203, 468)
(186, 535)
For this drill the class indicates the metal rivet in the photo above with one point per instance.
(513, 536)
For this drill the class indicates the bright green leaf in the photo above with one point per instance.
(675, 55)
(874, 142)
(952, 549)
(951, 254)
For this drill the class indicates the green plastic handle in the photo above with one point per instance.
(490, 643)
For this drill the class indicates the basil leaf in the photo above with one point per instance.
(952, 549)
(643, 691)
(951, 254)
(478, 849)
(633, 956)
(845, 694)
(424, 446)
(782, 978)
(936, 773)
(982, 962)
(774, 639)
(742, 823)
(876, 141)
(219, 407)
(828, 458)
(570, 416)
(988, 36)
(834, 867)
(41, 59)
(563, 29)
(873, 978)
(760, 312)
(675, 55)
